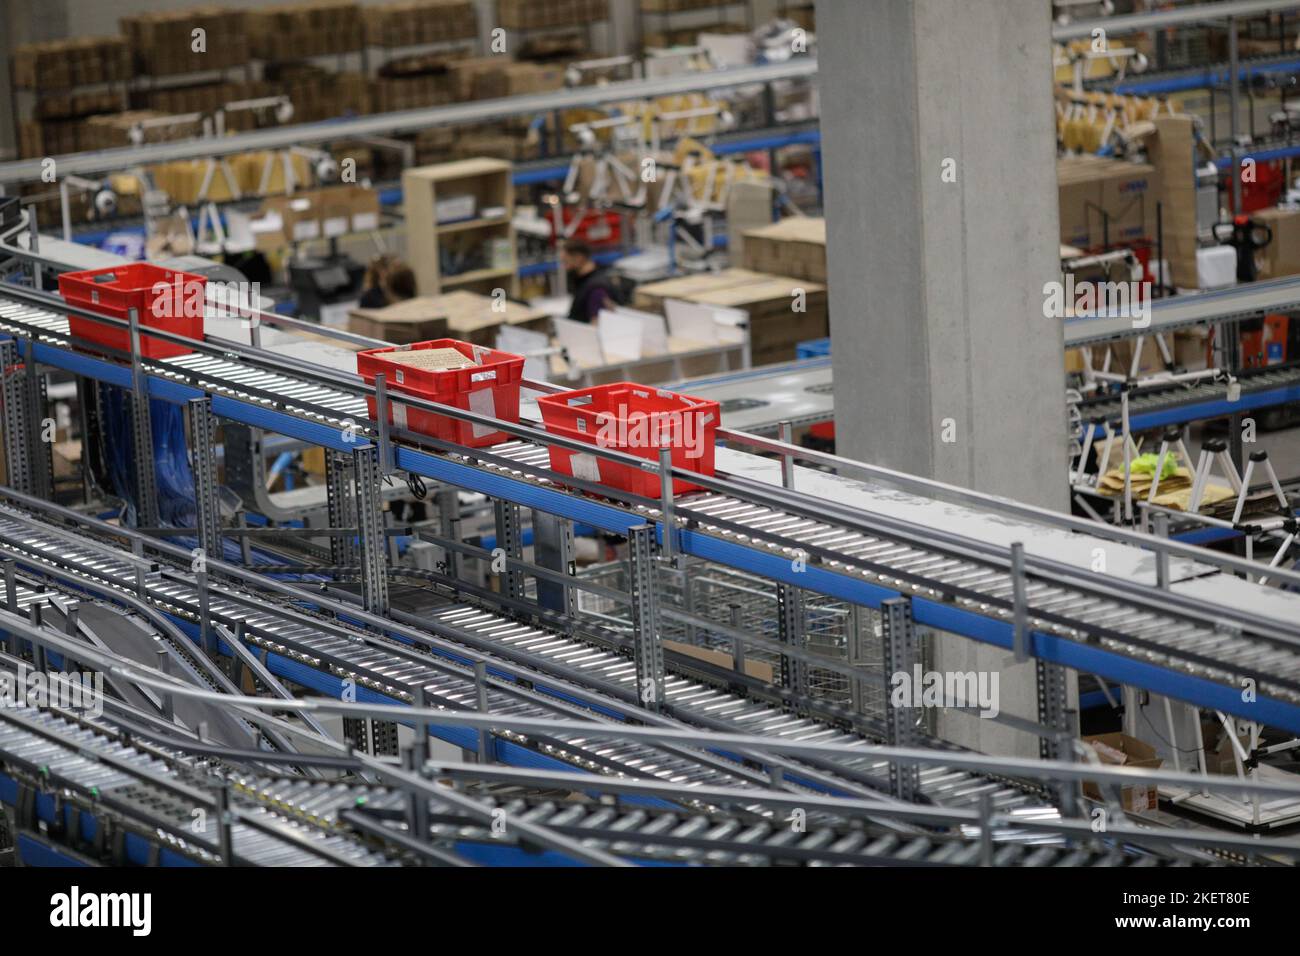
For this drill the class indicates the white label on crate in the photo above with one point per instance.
(483, 376)
(585, 466)
(336, 226)
(401, 376)
(484, 403)
(399, 415)
(364, 222)
(306, 230)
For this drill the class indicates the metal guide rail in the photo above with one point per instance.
(1174, 404)
(1199, 650)
(395, 671)
(1248, 301)
(100, 774)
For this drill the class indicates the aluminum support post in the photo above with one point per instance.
(370, 527)
(146, 484)
(509, 527)
(341, 508)
(553, 549)
(901, 657)
(203, 441)
(646, 649)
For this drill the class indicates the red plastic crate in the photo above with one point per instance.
(596, 227)
(491, 387)
(161, 297)
(638, 420)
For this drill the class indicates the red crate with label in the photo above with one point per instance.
(489, 386)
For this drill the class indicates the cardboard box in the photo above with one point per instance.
(675, 6)
(1105, 200)
(1172, 151)
(650, 297)
(465, 73)
(544, 14)
(1121, 750)
(466, 316)
(1220, 755)
(1281, 257)
(775, 328)
(162, 43)
(517, 79)
(420, 22)
(415, 320)
(60, 64)
(1122, 356)
(1191, 347)
(318, 28)
(794, 247)
(472, 318)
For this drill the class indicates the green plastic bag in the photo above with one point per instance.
(1146, 465)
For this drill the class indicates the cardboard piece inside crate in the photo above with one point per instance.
(436, 360)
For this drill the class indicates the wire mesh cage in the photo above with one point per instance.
(698, 593)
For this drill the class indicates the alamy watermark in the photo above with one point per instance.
(73, 909)
(919, 688)
(677, 429)
(189, 299)
(1102, 300)
(62, 690)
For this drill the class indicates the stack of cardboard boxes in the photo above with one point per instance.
(315, 214)
(675, 6)
(666, 38)
(51, 70)
(306, 29)
(461, 315)
(542, 14)
(516, 79)
(112, 130)
(206, 98)
(418, 22)
(64, 104)
(782, 311)
(794, 247)
(318, 93)
(413, 82)
(163, 44)
(60, 64)
(493, 77)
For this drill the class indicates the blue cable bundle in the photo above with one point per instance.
(171, 460)
(172, 472)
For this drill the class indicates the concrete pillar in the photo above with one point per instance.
(939, 161)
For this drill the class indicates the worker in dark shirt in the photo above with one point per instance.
(387, 281)
(588, 282)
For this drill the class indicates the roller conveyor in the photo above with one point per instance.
(137, 785)
(1135, 629)
(395, 671)
(1162, 405)
(1247, 301)
(861, 557)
